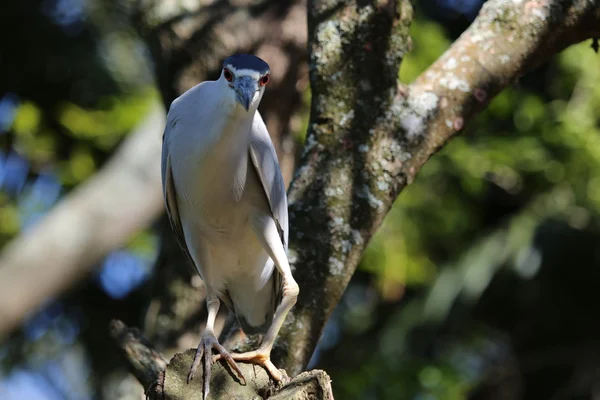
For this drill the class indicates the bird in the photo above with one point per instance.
(227, 205)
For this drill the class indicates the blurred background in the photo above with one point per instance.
(480, 285)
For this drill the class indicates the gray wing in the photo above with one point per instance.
(170, 196)
(264, 160)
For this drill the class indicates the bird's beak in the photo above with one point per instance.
(245, 88)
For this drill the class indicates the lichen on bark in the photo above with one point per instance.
(355, 54)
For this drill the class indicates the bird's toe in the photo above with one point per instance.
(259, 357)
(224, 354)
(204, 352)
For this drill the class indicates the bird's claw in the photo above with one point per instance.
(259, 357)
(204, 350)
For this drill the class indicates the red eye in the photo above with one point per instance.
(227, 74)
(264, 80)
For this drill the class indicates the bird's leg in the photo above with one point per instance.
(209, 342)
(269, 236)
(262, 355)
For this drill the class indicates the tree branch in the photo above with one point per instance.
(169, 382)
(147, 364)
(94, 219)
(368, 136)
(355, 56)
(314, 384)
(508, 39)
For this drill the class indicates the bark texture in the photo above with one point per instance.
(168, 382)
(145, 362)
(314, 384)
(356, 51)
(369, 136)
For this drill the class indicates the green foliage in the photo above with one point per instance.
(101, 127)
(533, 154)
(106, 125)
(522, 144)
(144, 244)
(9, 215)
(402, 379)
(424, 52)
(76, 147)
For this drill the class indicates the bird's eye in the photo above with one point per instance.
(227, 74)
(264, 80)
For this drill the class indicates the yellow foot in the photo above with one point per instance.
(207, 343)
(259, 357)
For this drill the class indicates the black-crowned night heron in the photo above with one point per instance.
(227, 204)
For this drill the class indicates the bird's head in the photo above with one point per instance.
(245, 76)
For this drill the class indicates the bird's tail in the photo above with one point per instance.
(253, 330)
(255, 310)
